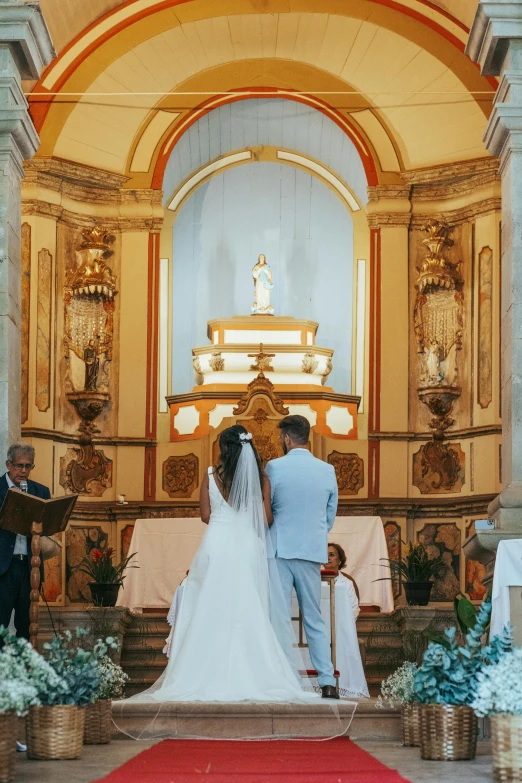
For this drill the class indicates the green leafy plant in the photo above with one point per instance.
(416, 565)
(78, 668)
(465, 615)
(100, 567)
(448, 673)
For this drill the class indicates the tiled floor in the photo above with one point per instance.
(98, 761)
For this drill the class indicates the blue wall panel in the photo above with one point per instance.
(307, 235)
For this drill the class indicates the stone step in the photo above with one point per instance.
(219, 720)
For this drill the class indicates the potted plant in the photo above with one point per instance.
(416, 570)
(398, 688)
(98, 715)
(499, 696)
(445, 684)
(54, 728)
(17, 694)
(107, 578)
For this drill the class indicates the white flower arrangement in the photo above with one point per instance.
(499, 690)
(398, 687)
(17, 693)
(112, 680)
(23, 675)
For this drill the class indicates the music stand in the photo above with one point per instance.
(34, 517)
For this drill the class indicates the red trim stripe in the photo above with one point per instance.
(212, 103)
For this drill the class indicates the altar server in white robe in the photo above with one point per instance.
(352, 682)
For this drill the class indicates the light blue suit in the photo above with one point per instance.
(304, 503)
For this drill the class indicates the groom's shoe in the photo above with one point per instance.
(329, 692)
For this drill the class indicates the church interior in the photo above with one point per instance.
(178, 148)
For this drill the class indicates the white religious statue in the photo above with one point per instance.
(262, 275)
(433, 355)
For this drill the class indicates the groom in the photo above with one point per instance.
(304, 504)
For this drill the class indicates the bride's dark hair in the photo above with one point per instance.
(229, 453)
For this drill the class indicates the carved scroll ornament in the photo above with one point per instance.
(181, 475)
(349, 471)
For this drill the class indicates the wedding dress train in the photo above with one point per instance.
(225, 647)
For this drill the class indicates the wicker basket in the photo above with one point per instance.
(448, 732)
(506, 734)
(98, 723)
(8, 722)
(55, 732)
(410, 722)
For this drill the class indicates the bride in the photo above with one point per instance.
(233, 638)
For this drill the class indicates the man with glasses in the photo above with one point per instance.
(15, 550)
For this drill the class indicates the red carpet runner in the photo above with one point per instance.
(282, 761)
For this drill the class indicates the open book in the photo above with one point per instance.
(19, 510)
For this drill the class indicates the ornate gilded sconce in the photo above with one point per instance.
(438, 328)
(88, 345)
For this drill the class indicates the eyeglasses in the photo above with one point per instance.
(22, 465)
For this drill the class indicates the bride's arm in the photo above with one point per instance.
(266, 500)
(204, 500)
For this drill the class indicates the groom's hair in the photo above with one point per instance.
(297, 428)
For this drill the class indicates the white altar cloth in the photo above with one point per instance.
(165, 549)
(508, 573)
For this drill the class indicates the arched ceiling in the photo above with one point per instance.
(67, 18)
(397, 73)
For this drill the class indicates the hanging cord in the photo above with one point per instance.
(42, 593)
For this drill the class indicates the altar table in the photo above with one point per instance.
(165, 549)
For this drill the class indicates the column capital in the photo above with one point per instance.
(496, 23)
(23, 29)
(389, 206)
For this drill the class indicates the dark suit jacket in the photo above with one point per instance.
(7, 539)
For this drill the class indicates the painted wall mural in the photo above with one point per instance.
(79, 542)
(444, 539)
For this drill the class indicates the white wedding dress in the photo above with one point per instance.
(225, 647)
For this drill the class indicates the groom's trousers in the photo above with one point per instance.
(305, 576)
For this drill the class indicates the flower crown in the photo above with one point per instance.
(245, 437)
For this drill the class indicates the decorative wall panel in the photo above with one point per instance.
(86, 471)
(485, 327)
(392, 531)
(444, 539)
(181, 475)
(125, 540)
(53, 587)
(349, 471)
(43, 336)
(475, 573)
(79, 543)
(26, 312)
(439, 468)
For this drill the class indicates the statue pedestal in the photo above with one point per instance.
(274, 349)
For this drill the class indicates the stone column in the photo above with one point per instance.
(25, 50)
(495, 43)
